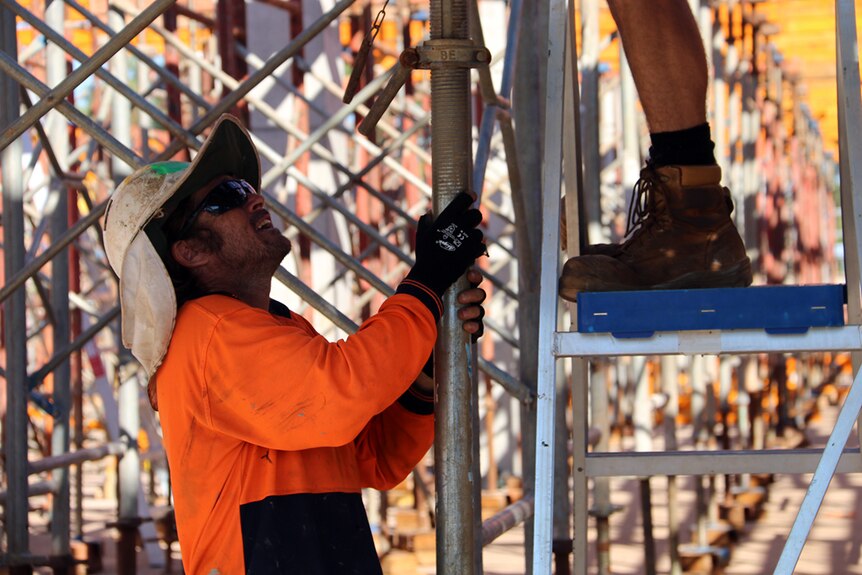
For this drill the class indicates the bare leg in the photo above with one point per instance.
(667, 59)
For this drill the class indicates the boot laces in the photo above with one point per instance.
(642, 208)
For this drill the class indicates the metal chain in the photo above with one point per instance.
(378, 21)
(362, 56)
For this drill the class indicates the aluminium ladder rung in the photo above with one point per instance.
(736, 462)
(737, 341)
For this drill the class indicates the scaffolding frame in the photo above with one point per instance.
(19, 274)
(502, 173)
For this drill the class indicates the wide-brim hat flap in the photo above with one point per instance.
(143, 202)
(148, 304)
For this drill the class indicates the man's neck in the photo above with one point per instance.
(258, 298)
(251, 286)
(253, 291)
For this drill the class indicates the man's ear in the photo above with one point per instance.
(188, 254)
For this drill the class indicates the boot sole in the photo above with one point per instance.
(738, 275)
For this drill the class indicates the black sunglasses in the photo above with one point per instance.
(226, 196)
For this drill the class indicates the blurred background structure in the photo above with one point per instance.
(93, 89)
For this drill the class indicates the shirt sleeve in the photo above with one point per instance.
(280, 385)
(391, 445)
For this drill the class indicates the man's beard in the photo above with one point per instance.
(263, 257)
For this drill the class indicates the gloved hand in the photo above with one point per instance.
(447, 246)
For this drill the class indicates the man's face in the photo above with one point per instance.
(249, 241)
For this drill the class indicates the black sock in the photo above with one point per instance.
(689, 147)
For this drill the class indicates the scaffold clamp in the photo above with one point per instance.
(430, 55)
(444, 53)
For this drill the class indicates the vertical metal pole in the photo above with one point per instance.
(550, 250)
(60, 439)
(590, 121)
(602, 508)
(580, 481)
(754, 386)
(743, 410)
(847, 61)
(779, 376)
(129, 476)
(725, 384)
(562, 543)
(121, 109)
(528, 110)
(576, 237)
(712, 491)
(732, 72)
(670, 387)
(128, 470)
(15, 428)
(231, 30)
(750, 128)
(716, 39)
(570, 508)
(698, 413)
(489, 119)
(642, 420)
(452, 173)
(75, 363)
(76, 525)
(476, 459)
(631, 145)
(172, 64)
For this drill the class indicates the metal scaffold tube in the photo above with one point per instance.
(15, 424)
(492, 102)
(129, 469)
(10, 66)
(350, 202)
(271, 65)
(162, 72)
(62, 392)
(84, 71)
(59, 45)
(456, 396)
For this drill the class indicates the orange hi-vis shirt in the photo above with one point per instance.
(271, 431)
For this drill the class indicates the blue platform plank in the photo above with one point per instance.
(776, 309)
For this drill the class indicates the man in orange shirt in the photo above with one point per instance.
(271, 431)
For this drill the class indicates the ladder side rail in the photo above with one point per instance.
(850, 148)
(580, 371)
(550, 249)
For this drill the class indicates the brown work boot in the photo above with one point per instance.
(680, 236)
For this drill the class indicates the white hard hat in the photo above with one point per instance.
(142, 203)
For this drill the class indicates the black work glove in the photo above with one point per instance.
(445, 248)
